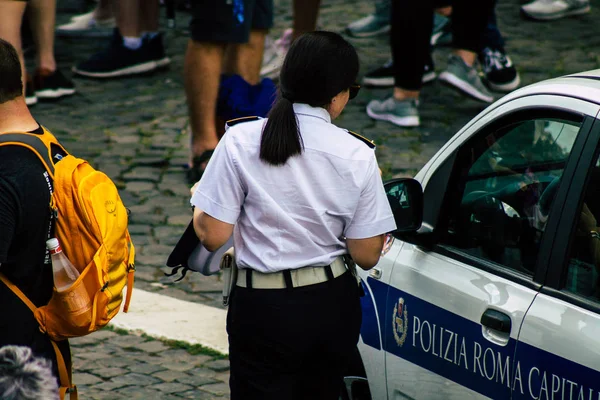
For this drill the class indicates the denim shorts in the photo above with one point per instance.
(229, 21)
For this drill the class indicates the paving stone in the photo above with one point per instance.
(178, 366)
(198, 395)
(218, 389)
(218, 365)
(135, 379)
(109, 372)
(171, 387)
(91, 355)
(168, 375)
(128, 340)
(140, 187)
(180, 220)
(84, 341)
(109, 385)
(153, 346)
(81, 379)
(144, 368)
(102, 334)
(136, 392)
(195, 381)
(113, 362)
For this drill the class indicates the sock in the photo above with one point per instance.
(149, 35)
(132, 43)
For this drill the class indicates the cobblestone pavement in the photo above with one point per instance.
(135, 129)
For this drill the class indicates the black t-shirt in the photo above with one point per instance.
(24, 229)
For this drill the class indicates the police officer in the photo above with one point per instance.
(298, 193)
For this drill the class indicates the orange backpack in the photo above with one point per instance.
(91, 226)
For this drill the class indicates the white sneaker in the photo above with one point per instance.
(87, 25)
(546, 10)
(274, 54)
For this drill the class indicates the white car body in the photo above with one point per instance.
(422, 335)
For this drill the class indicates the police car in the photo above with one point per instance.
(490, 286)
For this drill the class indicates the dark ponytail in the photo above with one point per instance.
(281, 137)
(318, 66)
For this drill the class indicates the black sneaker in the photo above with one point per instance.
(30, 97)
(52, 85)
(117, 60)
(384, 75)
(499, 71)
(155, 50)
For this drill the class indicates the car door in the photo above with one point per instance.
(460, 288)
(558, 352)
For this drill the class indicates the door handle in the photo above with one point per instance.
(496, 320)
(375, 273)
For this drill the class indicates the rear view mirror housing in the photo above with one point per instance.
(405, 196)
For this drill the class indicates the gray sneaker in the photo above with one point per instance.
(547, 10)
(374, 24)
(398, 112)
(466, 79)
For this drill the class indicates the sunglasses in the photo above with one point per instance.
(354, 89)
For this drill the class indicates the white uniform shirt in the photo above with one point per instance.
(298, 214)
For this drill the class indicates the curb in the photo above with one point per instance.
(164, 317)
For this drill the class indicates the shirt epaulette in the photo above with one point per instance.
(363, 139)
(236, 121)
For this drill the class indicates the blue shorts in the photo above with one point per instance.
(229, 21)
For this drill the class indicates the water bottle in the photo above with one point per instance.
(65, 274)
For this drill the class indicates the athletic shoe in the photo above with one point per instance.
(546, 10)
(374, 24)
(118, 60)
(384, 75)
(499, 71)
(52, 84)
(155, 49)
(30, 97)
(86, 25)
(399, 112)
(459, 75)
(274, 54)
(442, 30)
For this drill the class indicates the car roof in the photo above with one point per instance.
(582, 85)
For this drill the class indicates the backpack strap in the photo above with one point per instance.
(63, 372)
(32, 142)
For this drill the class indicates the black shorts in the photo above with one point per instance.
(229, 21)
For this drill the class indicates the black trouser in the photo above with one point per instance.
(412, 23)
(293, 344)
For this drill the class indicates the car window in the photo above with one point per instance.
(508, 180)
(584, 257)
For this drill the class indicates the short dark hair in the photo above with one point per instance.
(317, 67)
(24, 376)
(11, 85)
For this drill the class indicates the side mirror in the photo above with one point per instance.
(406, 200)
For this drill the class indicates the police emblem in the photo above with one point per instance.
(400, 322)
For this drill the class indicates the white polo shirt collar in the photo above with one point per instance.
(309, 111)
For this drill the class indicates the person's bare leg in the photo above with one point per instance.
(128, 17)
(403, 94)
(104, 10)
(306, 13)
(246, 59)
(42, 14)
(468, 57)
(11, 16)
(202, 70)
(149, 15)
(445, 11)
